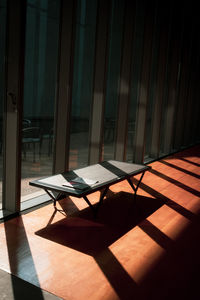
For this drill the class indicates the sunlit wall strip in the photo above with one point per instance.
(62, 123)
(124, 90)
(173, 79)
(183, 87)
(14, 92)
(160, 86)
(136, 63)
(144, 85)
(96, 136)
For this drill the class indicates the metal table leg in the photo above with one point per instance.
(95, 210)
(53, 197)
(135, 188)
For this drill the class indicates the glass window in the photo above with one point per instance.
(40, 76)
(152, 90)
(156, 112)
(113, 78)
(135, 80)
(2, 84)
(82, 89)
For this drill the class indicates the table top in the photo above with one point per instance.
(102, 174)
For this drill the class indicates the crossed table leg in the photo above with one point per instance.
(103, 193)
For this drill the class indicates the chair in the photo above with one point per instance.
(31, 136)
(131, 132)
(51, 134)
(109, 129)
(26, 123)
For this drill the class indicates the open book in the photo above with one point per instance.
(80, 183)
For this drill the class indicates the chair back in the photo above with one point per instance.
(31, 133)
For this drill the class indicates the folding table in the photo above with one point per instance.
(102, 176)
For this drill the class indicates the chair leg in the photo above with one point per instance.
(40, 147)
(24, 151)
(50, 146)
(33, 152)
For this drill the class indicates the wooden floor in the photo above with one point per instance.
(144, 250)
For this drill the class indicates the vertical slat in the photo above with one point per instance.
(62, 117)
(184, 84)
(99, 83)
(14, 89)
(137, 55)
(174, 67)
(164, 16)
(195, 128)
(189, 107)
(144, 85)
(190, 103)
(124, 90)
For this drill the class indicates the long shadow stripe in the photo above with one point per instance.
(17, 242)
(156, 234)
(124, 286)
(175, 206)
(177, 183)
(179, 169)
(189, 161)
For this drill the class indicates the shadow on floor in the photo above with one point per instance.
(117, 216)
(14, 288)
(80, 231)
(176, 273)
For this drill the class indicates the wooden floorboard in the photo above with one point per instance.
(143, 250)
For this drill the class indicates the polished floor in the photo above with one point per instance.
(14, 288)
(149, 249)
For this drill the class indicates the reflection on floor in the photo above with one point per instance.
(143, 250)
(14, 288)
